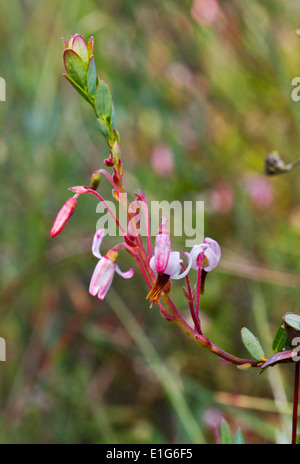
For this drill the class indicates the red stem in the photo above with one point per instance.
(198, 292)
(295, 404)
(103, 171)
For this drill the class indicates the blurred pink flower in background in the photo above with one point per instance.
(260, 191)
(180, 75)
(204, 12)
(221, 200)
(162, 160)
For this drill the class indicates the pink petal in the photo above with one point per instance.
(173, 267)
(102, 278)
(162, 247)
(187, 270)
(196, 250)
(126, 275)
(98, 237)
(212, 252)
(212, 258)
(214, 246)
(162, 252)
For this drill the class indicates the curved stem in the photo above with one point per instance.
(103, 171)
(84, 190)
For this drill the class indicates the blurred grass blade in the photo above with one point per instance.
(226, 437)
(239, 438)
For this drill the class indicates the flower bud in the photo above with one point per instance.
(95, 180)
(109, 162)
(77, 43)
(63, 216)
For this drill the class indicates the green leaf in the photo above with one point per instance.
(292, 320)
(280, 339)
(75, 68)
(252, 344)
(103, 102)
(226, 437)
(79, 89)
(104, 128)
(92, 77)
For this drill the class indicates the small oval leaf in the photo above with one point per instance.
(252, 344)
(75, 68)
(103, 102)
(92, 77)
(104, 128)
(77, 87)
(292, 320)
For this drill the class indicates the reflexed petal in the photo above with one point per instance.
(173, 267)
(98, 237)
(180, 276)
(102, 277)
(214, 246)
(126, 275)
(212, 258)
(196, 250)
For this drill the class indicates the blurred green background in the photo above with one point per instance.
(202, 92)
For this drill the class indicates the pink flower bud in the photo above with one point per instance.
(95, 180)
(63, 216)
(77, 43)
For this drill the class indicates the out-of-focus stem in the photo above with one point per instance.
(106, 174)
(295, 404)
(198, 290)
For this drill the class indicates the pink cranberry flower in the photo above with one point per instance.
(105, 269)
(165, 262)
(206, 255)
